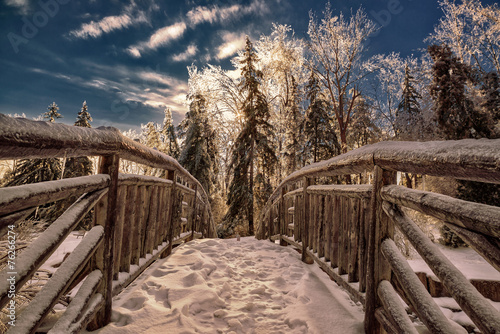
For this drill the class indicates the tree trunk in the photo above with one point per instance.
(250, 206)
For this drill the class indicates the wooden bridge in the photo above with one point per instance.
(347, 229)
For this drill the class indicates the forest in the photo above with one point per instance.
(289, 102)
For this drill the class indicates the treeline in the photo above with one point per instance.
(289, 102)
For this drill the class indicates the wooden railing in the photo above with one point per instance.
(136, 220)
(349, 229)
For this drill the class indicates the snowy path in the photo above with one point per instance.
(229, 286)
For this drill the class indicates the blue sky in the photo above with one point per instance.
(128, 59)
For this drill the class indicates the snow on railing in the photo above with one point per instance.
(137, 219)
(349, 229)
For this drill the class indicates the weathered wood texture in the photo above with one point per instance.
(476, 217)
(481, 312)
(41, 248)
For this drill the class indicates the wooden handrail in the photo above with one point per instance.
(137, 219)
(349, 229)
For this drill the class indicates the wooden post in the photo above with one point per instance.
(170, 224)
(271, 222)
(109, 164)
(143, 227)
(334, 250)
(321, 226)
(377, 268)
(363, 241)
(353, 268)
(328, 227)
(120, 221)
(283, 227)
(194, 212)
(305, 205)
(129, 228)
(139, 217)
(150, 233)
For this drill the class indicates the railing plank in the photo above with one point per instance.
(41, 248)
(349, 190)
(487, 247)
(481, 312)
(13, 219)
(17, 198)
(129, 228)
(77, 306)
(429, 313)
(476, 217)
(392, 304)
(43, 302)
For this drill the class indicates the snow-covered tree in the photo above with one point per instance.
(199, 152)
(336, 46)
(321, 139)
(251, 145)
(453, 108)
(53, 113)
(80, 166)
(408, 116)
(472, 31)
(83, 119)
(281, 59)
(293, 132)
(169, 137)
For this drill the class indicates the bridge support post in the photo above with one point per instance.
(194, 213)
(380, 228)
(282, 227)
(103, 260)
(307, 181)
(170, 226)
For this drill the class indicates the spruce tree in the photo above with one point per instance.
(198, 155)
(53, 113)
(251, 145)
(170, 144)
(408, 114)
(80, 166)
(453, 108)
(321, 139)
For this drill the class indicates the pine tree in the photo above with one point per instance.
(80, 166)
(170, 144)
(53, 113)
(321, 139)
(408, 114)
(84, 117)
(198, 155)
(251, 145)
(453, 108)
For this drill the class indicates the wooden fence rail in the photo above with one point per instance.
(349, 229)
(137, 219)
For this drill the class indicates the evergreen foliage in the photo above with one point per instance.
(53, 113)
(170, 144)
(80, 166)
(251, 145)
(321, 139)
(198, 155)
(408, 114)
(83, 119)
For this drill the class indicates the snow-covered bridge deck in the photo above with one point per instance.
(229, 286)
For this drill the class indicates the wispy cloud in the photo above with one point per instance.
(198, 15)
(232, 44)
(189, 53)
(160, 37)
(23, 6)
(131, 15)
(202, 14)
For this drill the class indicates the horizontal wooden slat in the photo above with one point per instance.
(76, 307)
(481, 312)
(16, 198)
(41, 248)
(429, 313)
(477, 217)
(487, 247)
(185, 189)
(393, 306)
(293, 193)
(31, 317)
(355, 191)
(141, 180)
(94, 305)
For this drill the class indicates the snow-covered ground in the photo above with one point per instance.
(230, 286)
